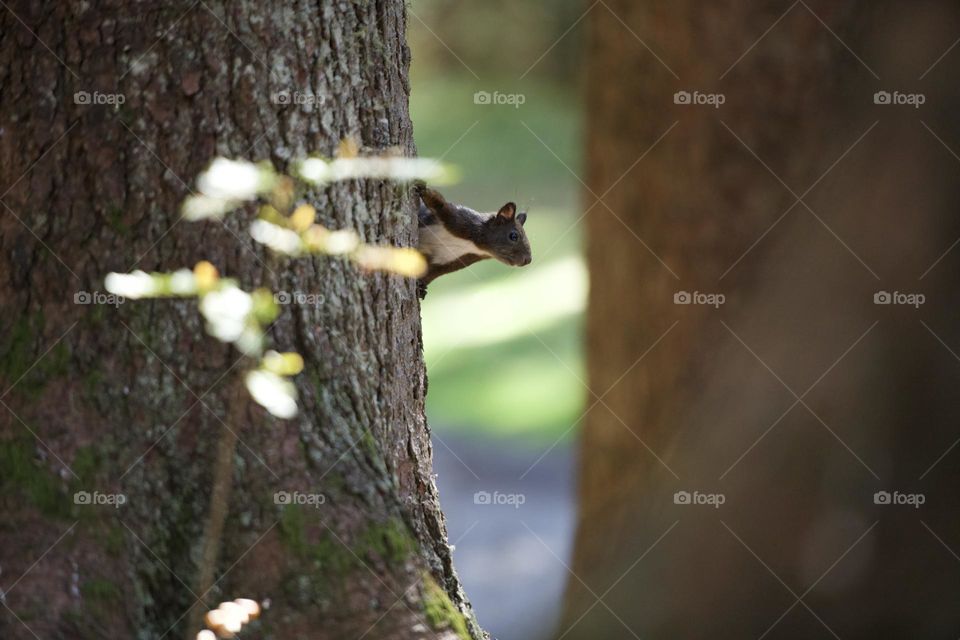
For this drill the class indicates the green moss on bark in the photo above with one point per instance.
(21, 364)
(292, 530)
(22, 475)
(16, 348)
(100, 593)
(334, 562)
(390, 541)
(440, 610)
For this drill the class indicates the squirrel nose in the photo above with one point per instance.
(527, 260)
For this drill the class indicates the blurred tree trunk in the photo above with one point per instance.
(683, 396)
(131, 399)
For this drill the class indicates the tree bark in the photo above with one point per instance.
(683, 395)
(132, 398)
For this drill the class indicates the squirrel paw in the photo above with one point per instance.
(421, 289)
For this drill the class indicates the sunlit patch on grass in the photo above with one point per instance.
(513, 388)
(504, 356)
(497, 311)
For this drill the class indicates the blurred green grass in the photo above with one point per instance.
(499, 157)
(503, 345)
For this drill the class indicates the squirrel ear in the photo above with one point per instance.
(522, 219)
(507, 211)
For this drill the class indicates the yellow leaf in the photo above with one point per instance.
(348, 148)
(283, 192)
(289, 363)
(206, 275)
(316, 237)
(269, 213)
(404, 261)
(302, 217)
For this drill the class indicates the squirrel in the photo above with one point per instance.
(453, 237)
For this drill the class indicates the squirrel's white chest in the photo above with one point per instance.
(443, 247)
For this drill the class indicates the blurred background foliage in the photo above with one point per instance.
(494, 334)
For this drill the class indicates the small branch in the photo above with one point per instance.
(219, 506)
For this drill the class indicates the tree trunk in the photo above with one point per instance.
(683, 395)
(132, 399)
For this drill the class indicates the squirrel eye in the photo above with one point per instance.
(514, 236)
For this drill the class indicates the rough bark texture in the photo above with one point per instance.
(799, 506)
(131, 399)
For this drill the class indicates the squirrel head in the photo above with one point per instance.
(504, 238)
